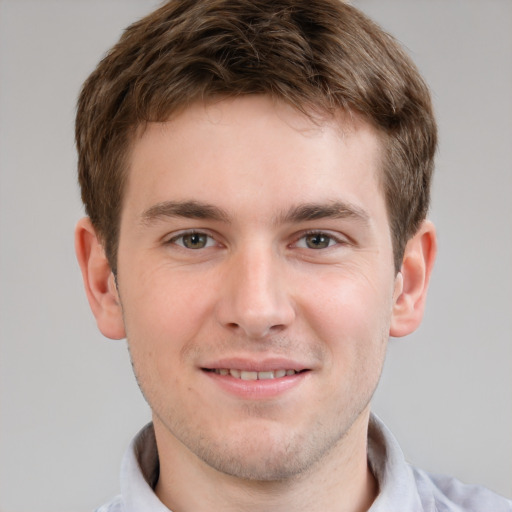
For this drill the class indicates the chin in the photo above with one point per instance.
(260, 468)
(267, 457)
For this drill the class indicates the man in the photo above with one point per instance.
(256, 176)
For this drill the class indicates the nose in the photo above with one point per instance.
(255, 299)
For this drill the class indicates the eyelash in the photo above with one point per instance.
(332, 240)
(174, 239)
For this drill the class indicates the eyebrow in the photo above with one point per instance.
(186, 209)
(299, 213)
(330, 210)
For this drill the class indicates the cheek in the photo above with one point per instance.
(162, 316)
(166, 301)
(350, 312)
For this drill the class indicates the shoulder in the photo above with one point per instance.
(114, 505)
(447, 494)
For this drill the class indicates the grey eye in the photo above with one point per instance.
(317, 241)
(195, 240)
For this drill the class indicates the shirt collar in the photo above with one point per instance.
(397, 484)
(139, 474)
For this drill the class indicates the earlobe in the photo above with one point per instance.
(99, 282)
(413, 280)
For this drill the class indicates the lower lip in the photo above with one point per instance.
(257, 389)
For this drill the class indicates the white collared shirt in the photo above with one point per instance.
(402, 488)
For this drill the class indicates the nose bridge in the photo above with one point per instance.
(255, 299)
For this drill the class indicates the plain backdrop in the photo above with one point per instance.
(68, 401)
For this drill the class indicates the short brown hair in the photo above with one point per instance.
(319, 56)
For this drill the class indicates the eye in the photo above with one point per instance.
(317, 240)
(193, 240)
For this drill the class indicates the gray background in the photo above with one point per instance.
(68, 402)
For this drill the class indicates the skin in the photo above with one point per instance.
(224, 263)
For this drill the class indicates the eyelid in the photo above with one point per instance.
(336, 237)
(171, 240)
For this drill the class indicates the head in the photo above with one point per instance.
(321, 58)
(256, 174)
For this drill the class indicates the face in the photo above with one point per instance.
(256, 280)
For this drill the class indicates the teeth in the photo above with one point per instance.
(248, 375)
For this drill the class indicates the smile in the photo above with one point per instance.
(251, 375)
(253, 383)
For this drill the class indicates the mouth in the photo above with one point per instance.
(262, 380)
(254, 375)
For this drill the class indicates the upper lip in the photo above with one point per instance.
(267, 364)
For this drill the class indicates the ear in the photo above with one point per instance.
(412, 281)
(99, 282)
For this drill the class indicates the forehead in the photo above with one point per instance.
(239, 150)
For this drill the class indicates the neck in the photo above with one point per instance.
(340, 482)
